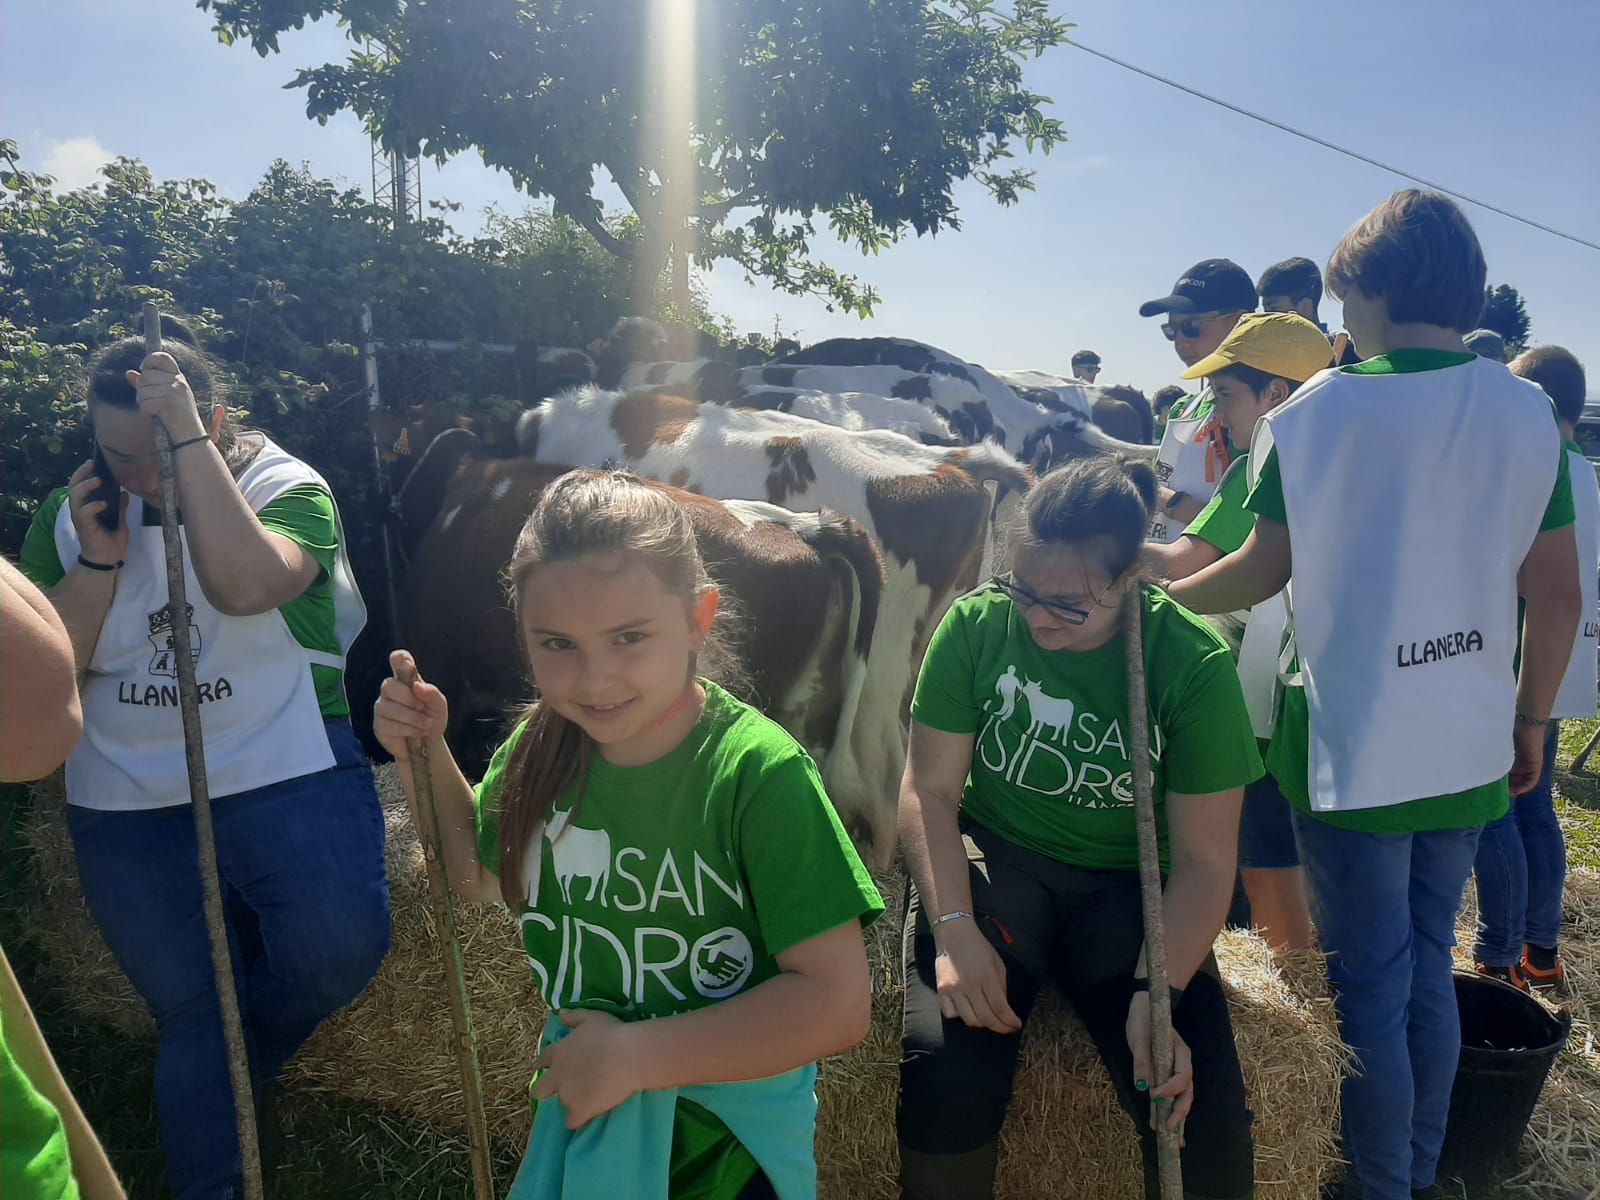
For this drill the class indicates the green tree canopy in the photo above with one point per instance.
(864, 114)
(1506, 314)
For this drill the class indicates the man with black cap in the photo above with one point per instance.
(1200, 312)
(1085, 365)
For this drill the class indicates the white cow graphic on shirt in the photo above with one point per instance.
(582, 854)
(1048, 711)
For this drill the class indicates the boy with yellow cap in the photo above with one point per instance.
(1257, 367)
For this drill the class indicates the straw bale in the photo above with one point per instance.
(1065, 1137)
(1065, 1134)
(80, 966)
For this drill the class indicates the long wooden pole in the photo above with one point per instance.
(1150, 892)
(200, 798)
(1582, 760)
(441, 905)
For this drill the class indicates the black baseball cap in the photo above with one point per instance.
(1214, 285)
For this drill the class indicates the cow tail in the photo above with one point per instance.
(851, 554)
(988, 462)
(1098, 440)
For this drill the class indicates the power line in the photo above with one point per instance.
(1348, 153)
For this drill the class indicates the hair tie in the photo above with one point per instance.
(204, 437)
(94, 566)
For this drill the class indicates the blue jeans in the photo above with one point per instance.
(1385, 905)
(308, 922)
(1522, 868)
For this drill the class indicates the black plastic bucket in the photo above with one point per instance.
(1508, 1043)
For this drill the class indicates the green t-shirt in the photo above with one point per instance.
(34, 1160)
(1224, 522)
(1051, 766)
(678, 882)
(1289, 756)
(1197, 405)
(303, 514)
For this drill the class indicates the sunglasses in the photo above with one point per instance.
(1070, 614)
(1189, 327)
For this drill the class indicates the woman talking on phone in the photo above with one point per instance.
(299, 833)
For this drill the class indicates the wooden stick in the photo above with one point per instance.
(441, 905)
(1150, 893)
(1583, 755)
(200, 798)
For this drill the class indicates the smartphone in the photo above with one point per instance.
(110, 491)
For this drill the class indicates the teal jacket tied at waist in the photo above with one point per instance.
(626, 1152)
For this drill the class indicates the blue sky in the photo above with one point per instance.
(1496, 101)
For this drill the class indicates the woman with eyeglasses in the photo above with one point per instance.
(1017, 821)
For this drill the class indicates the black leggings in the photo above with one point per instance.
(1083, 930)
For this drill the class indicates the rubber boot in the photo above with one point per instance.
(966, 1176)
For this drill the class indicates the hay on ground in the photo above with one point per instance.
(1065, 1136)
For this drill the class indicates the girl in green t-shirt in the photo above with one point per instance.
(689, 901)
(1017, 821)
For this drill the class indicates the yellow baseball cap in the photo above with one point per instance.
(1280, 343)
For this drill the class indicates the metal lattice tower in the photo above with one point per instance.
(396, 183)
(396, 180)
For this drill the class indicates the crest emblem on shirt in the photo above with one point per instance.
(165, 660)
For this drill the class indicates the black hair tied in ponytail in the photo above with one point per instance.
(1101, 500)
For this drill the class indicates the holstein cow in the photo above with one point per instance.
(1140, 403)
(747, 387)
(1052, 392)
(805, 590)
(926, 506)
(978, 405)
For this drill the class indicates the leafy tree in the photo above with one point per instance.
(864, 114)
(1506, 314)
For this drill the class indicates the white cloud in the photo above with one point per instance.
(1065, 164)
(76, 162)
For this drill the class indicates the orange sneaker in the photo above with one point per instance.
(1511, 974)
(1552, 979)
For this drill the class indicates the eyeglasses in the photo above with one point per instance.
(1189, 327)
(1071, 614)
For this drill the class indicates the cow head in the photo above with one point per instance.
(403, 436)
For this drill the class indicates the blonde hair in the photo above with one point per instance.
(587, 512)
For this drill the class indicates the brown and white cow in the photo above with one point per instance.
(804, 588)
(735, 387)
(925, 506)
